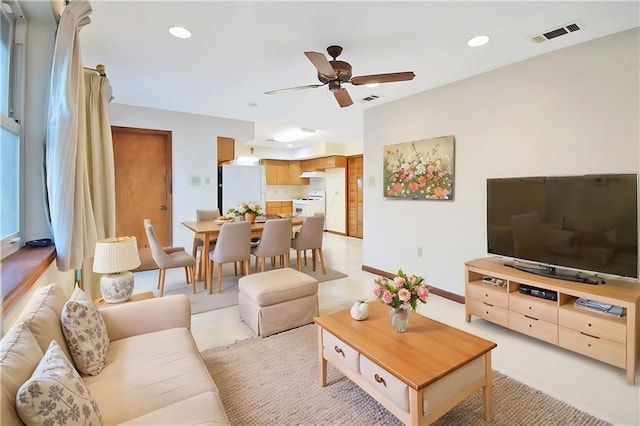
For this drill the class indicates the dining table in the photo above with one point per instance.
(210, 229)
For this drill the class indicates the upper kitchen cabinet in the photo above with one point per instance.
(277, 172)
(283, 172)
(295, 169)
(308, 165)
(331, 162)
(226, 149)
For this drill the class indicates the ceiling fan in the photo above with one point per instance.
(335, 73)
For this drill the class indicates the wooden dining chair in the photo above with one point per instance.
(310, 238)
(166, 260)
(233, 245)
(275, 242)
(198, 239)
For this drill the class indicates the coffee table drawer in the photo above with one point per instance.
(385, 383)
(339, 352)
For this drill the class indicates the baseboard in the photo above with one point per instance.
(435, 290)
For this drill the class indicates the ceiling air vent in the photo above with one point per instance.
(370, 98)
(557, 32)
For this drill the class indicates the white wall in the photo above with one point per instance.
(572, 111)
(194, 153)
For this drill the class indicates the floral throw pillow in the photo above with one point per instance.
(55, 394)
(85, 333)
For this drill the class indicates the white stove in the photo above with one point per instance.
(312, 204)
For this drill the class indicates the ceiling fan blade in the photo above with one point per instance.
(322, 64)
(382, 78)
(291, 89)
(343, 98)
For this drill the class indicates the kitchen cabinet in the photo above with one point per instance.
(277, 172)
(283, 172)
(295, 168)
(226, 149)
(279, 207)
(308, 165)
(331, 162)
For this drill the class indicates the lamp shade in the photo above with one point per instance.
(116, 255)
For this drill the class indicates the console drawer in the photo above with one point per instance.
(385, 383)
(495, 296)
(533, 327)
(339, 352)
(487, 311)
(601, 349)
(594, 324)
(545, 310)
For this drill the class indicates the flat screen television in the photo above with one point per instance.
(571, 227)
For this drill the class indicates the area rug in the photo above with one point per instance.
(275, 381)
(202, 301)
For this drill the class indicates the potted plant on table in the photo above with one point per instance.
(248, 209)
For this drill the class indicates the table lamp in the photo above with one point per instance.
(115, 257)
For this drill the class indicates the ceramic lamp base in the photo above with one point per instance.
(116, 288)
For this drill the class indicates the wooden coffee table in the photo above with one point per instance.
(418, 375)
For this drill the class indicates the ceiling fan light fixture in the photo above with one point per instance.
(478, 41)
(294, 134)
(180, 32)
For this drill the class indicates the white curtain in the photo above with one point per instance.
(69, 148)
(100, 153)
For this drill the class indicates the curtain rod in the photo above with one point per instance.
(100, 69)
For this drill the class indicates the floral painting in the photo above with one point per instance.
(420, 170)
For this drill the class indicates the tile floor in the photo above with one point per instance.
(589, 385)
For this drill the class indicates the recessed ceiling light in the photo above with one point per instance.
(371, 85)
(478, 41)
(180, 32)
(289, 145)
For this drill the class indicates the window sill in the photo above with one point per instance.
(21, 270)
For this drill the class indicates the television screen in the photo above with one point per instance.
(585, 223)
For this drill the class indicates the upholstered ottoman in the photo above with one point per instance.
(277, 300)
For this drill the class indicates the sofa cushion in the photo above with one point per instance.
(19, 357)
(203, 409)
(55, 394)
(42, 316)
(147, 372)
(85, 332)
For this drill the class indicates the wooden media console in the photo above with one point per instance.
(610, 339)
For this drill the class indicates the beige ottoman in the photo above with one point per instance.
(278, 300)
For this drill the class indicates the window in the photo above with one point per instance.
(12, 67)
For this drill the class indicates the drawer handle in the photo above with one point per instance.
(527, 316)
(380, 380)
(488, 304)
(338, 350)
(590, 335)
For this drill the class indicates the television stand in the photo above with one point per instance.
(552, 272)
(607, 338)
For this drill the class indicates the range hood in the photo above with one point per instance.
(312, 175)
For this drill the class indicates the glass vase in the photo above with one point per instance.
(400, 319)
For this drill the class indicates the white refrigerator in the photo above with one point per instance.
(237, 184)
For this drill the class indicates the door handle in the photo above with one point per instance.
(163, 208)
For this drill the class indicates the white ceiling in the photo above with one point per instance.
(241, 49)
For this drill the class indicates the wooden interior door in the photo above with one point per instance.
(143, 182)
(355, 196)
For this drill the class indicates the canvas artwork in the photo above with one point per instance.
(420, 170)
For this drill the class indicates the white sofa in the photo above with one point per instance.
(153, 373)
